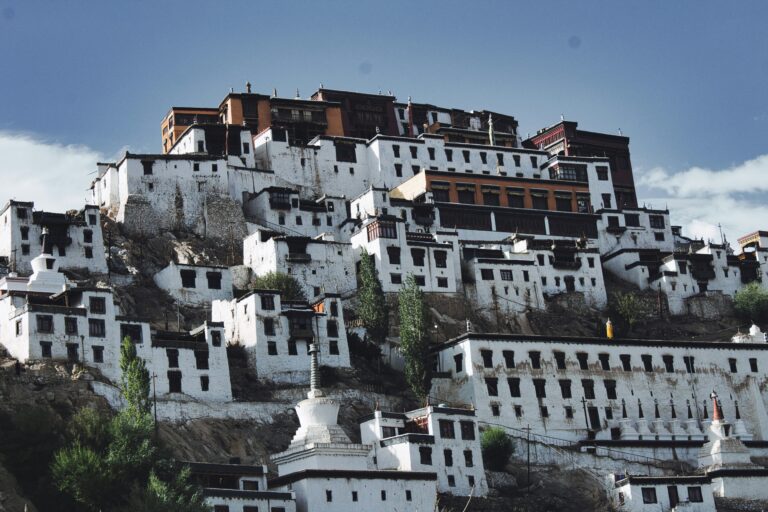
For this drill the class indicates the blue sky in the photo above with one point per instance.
(686, 80)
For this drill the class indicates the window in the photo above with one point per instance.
(354, 495)
(466, 193)
(668, 363)
(267, 302)
(647, 362)
(442, 282)
(649, 494)
(589, 388)
(486, 274)
(281, 219)
(752, 364)
(509, 358)
(468, 461)
(97, 305)
(396, 150)
(196, 167)
(45, 349)
(495, 410)
(98, 354)
(333, 347)
(458, 361)
(201, 359)
(467, 430)
(448, 457)
(514, 386)
(659, 237)
(415, 169)
(272, 348)
(299, 221)
(694, 495)
(269, 326)
(425, 455)
(72, 352)
(610, 389)
(188, 278)
(70, 325)
(568, 412)
(333, 329)
(204, 383)
(451, 481)
(563, 203)
(174, 381)
(535, 359)
(626, 362)
(525, 276)
(565, 388)
(418, 257)
(24, 232)
(431, 152)
(246, 148)
(656, 221)
(441, 259)
(292, 349)
(534, 161)
(96, 328)
(147, 166)
(632, 220)
(396, 278)
(408, 495)
(200, 146)
(419, 280)
(216, 338)
(602, 173)
(582, 358)
(560, 360)
(609, 413)
(18, 328)
(45, 323)
(544, 411)
(465, 153)
(214, 280)
(25, 249)
(414, 151)
(221, 508)
(605, 363)
(492, 385)
(539, 385)
(606, 200)
(62, 251)
(173, 357)
(518, 411)
(732, 364)
(539, 200)
(688, 360)
(88, 251)
(399, 170)
(132, 331)
(328, 495)
(487, 356)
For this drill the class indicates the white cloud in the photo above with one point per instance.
(54, 176)
(699, 199)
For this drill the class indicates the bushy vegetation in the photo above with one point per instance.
(751, 303)
(497, 448)
(287, 285)
(414, 340)
(114, 463)
(373, 310)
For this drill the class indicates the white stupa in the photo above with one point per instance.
(320, 443)
(722, 451)
(46, 277)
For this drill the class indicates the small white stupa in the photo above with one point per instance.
(755, 335)
(46, 277)
(320, 443)
(721, 451)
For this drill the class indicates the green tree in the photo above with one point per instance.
(414, 342)
(174, 494)
(134, 383)
(288, 286)
(372, 310)
(751, 303)
(82, 473)
(630, 307)
(497, 448)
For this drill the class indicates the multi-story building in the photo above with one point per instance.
(276, 333)
(621, 391)
(239, 487)
(438, 439)
(195, 284)
(75, 238)
(432, 258)
(178, 119)
(564, 138)
(319, 265)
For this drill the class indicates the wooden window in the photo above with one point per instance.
(540, 387)
(589, 388)
(96, 328)
(446, 429)
(487, 356)
(174, 381)
(565, 388)
(514, 386)
(492, 386)
(44, 323)
(188, 277)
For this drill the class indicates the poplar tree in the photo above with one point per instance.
(414, 340)
(134, 382)
(372, 310)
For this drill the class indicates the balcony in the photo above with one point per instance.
(566, 264)
(298, 257)
(278, 203)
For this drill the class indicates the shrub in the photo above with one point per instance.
(751, 303)
(288, 286)
(497, 448)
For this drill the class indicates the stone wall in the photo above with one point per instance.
(710, 305)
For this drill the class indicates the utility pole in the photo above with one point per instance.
(584, 405)
(154, 398)
(528, 433)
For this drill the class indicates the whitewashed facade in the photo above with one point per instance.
(195, 284)
(276, 334)
(632, 390)
(75, 238)
(438, 439)
(319, 265)
(432, 258)
(652, 493)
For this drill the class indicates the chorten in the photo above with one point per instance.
(721, 451)
(46, 277)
